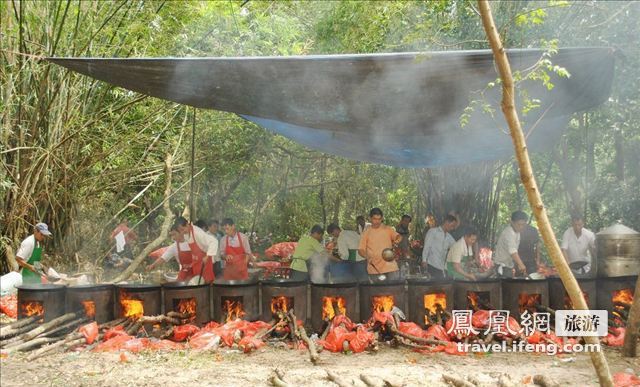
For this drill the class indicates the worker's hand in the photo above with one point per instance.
(150, 267)
(523, 269)
(471, 277)
(423, 264)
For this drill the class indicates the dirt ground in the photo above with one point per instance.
(232, 368)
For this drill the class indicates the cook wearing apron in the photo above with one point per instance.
(461, 253)
(185, 259)
(202, 264)
(235, 267)
(30, 252)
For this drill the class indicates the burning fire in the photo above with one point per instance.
(622, 300)
(89, 308)
(382, 303)
(281, 304)
(232, 309)
(328, 310)
(434, 304)
(32, 308)
(186, 306)
(529, 302)
(132, 308)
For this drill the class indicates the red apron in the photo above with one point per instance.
(186, 264)
(198, 257)
(235, 267)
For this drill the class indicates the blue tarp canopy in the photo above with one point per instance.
(402, 109)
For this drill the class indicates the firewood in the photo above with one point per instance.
(336, 379)
(113, 323)
(326, 331)
(62, 328)
(370, 382)
(457, 382)
(178, 315)
(280, 373)
(264, 333)
(277, 381)
(10, 329)
(302, 333)
(415, 339)
(544, 381)
(169, 318)
(388, 383)
(13, 335)
(47, 326)
(32, 343)
(55, 346)
(134, 328)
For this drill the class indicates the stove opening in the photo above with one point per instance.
(382, 303)
(332, 306)
(622, 300)
(529, 302)
(31, 308)
(89, 308)
(281, 304)
(131, 307)
(232, 308)
(478, 300)
(435, 305)
(186, 306)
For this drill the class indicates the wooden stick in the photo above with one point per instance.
(633, 325)
(32, 343)
(313, 353)
(47, 326)
(336, 379)
(277, 382)
(415, 339)
(74, 323)
(369, 381)
(15, 333)
(531, 187)
(457, 382)
(6, 330)
(57, 345)
(544, 381)
(280, 373)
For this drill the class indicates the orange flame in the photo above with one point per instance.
(186, 306)
(472, 300)
(622, 300)
(32, 308)
(89, 308)
(233, 310)
(131, 307)
(281, 304)
(433, 303)
(382, 303)
(328, 310)
(528, 302)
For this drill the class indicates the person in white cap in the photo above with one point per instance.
(30, 252)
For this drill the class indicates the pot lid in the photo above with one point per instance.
(618, 229)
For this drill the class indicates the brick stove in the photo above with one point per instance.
(483, 294)
(519, 295)
(96, 300)
(381, 296)
(138, 300)
(284, 294)
(235, 299)
(558, 298)
(47, 300)
(429, 300)
(613, 290)
(325, 298)
(192, 299)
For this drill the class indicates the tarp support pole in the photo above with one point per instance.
(193, 156)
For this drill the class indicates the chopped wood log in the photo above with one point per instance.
(264, 333)
(113, 323)
(313, 353)
(415, 339)
(6, 330)
(134, 328)
(32, 344)
(71, 324)
(14, 334)
(453, 380)
(337, 380)
(544, 381)
(279, 372)
(326, 330)
(47, 326)
(389, 383)
(178, 315)
(57, 345)
(370, 382)
(277, 381)
(168, 318)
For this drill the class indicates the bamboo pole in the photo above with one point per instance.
(529, 182)
(629, 347)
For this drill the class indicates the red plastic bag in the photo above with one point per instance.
(136, 345)
(381, 317)
(9, 305)
(118, 330)
(254, 327)
(113, 344)
(535, 338)
(343, 319)
(480, 319)
(211, 325)
(204, 340)
(183, 332)
(250, 343)
(452, 349)
(623, 379)
(437, 332)
(89, 331)
(160, 345)
(361, 340)
(410, 329)
(615, 339)
(334, 341)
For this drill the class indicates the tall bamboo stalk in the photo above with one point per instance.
(529, 182)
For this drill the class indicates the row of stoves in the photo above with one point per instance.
(426, 302)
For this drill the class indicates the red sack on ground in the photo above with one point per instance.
(623, 379)
(361, 340)
(452, 349)
(256, 326)
(9, 305)
(89, 331)
(113, 344)
(250, 343)
(480, 319)
(118, 330)
(535, 338)
(336, 338)
(410, 329)
(343, 319)
(381, 317)
(136, 345)
(204, 340)
(437, 332)
(183, 332)
(211, 325)
(616, 339)
(165, 345)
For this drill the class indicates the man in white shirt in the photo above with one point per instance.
(436, 244)
(235, 251)
(578, 246)
(204, 248)
(506, 253)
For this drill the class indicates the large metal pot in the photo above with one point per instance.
(618, 251)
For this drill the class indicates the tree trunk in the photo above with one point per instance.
(526, 174)
(168, 218)
(633, 324)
